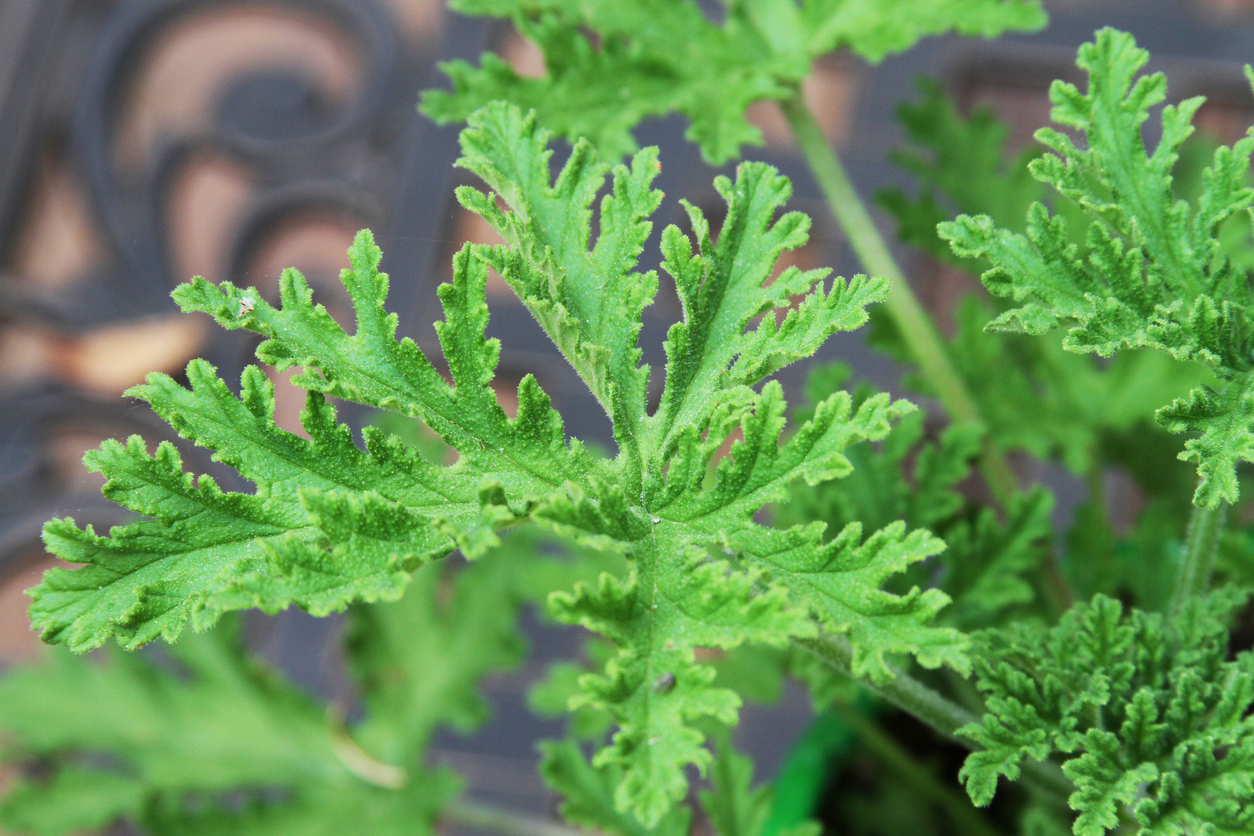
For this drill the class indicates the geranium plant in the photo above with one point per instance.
(896, 568)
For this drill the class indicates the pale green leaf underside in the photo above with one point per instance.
(330, 523)
(654, 57)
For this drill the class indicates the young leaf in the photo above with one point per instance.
(330, 523)
(611, 65)
(1150, 716)
(1154, 273)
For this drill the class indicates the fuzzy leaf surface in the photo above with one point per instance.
(987, 561)
(1033, 394)
(329, 523)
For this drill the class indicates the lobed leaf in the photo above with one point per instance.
(609, 66)
(1154, 271)
(213, 743)
(1152, 718)
(328, 525)
(331, 523)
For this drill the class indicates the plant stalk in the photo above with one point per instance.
(1201, 544)
(889, 752)
(480, 816)
(936, 711)
(904, 691)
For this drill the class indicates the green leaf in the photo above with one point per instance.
(734, 806)
(1032, 394)
(1225, 423)
(989, 560)
(74, 799)
(131, 588)
(986, 560)
(1152, 718)
(330, 523)
(960, 161)
(419, 661)
(588, 794)
(245, 730)
(1154, 272)
(611, 65)
(216, 744)
(361, 809)
(588, 300)
(904, 479)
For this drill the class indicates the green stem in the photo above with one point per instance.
(482, 816)
(936, 711)
(913, 322)
(1058, 593)
(963, 690)
(889, 752)
(1201, 544)
(904, 691)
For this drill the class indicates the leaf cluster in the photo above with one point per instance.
(1148, 712)
(726, 542)
(1033, 395)
(331, 524)
(610, 65)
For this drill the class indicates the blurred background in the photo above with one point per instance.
(146, 141)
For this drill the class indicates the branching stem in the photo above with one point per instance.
(905, 692)
(1201, 544)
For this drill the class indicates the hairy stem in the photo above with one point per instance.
(937, 711)
(1201, 544)
(890, 753)
(480, 816)
(913, 322)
